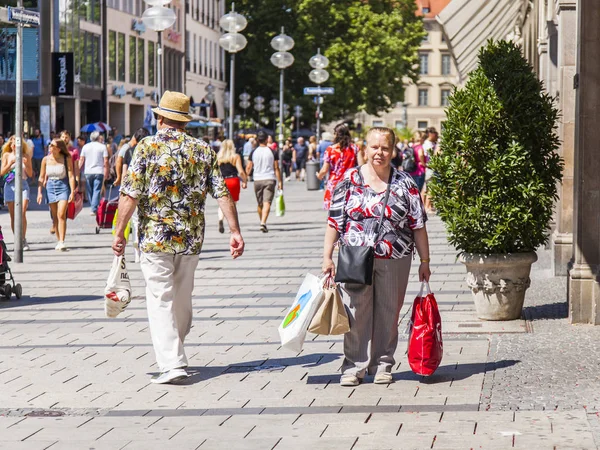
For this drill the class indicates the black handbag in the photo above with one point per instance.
(355, 263)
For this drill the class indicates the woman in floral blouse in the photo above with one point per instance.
(339, 157)
(356, 208)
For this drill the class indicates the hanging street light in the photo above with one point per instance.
(159, 18)
(318, 76)
(281, 59)
(232, 42)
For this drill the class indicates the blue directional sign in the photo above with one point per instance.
(318, 90)
(23, 16)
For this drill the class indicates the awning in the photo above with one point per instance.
(468, 24)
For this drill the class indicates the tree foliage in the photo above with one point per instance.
(497, 175)
(371, 46)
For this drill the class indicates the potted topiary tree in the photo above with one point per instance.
(496, 177)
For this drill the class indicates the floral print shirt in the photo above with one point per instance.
(170, 174)
(356, 209)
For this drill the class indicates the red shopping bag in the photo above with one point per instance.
(425, 348)
(75, 207)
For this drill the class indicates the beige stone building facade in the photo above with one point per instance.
(561, 39)
(424, 101)
(132, 65)
(204, 58)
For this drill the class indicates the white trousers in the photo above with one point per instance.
(169, 285)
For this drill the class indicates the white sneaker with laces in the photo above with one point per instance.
(383, 378)
(171, 376)
(349, 380)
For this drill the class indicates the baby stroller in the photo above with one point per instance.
(7, 281)
(106, 212)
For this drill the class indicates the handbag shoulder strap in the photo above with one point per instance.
(385, 202)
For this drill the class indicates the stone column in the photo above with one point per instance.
(562, 238)
(584, 274)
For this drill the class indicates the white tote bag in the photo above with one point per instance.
(117, 293)
(292, 330)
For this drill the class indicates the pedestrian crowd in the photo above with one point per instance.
(375, 192)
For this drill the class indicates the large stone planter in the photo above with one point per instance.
(498, 283)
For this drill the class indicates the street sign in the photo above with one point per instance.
(23, 16)
(318, 90)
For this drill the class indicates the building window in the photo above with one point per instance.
(132, 59)
(377, 123)
(422, 124)
(151, 63)
(445, 96)
(423, 97)
(424, 63)
(199, 55)
(89, 10)
(112, 55)
(195, 52)
(141, 79)
(121, 57)
(89, 59)
(399, 124)
(188, 50)
(446, 65)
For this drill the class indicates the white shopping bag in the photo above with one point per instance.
(292, 330)
(117, 293)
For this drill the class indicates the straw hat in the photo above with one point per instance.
(174, 106)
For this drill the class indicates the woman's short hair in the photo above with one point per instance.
(385, 131)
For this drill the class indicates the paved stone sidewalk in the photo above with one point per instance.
(72, 378)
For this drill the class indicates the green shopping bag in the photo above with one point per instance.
(280, 204)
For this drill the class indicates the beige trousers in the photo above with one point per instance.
(169, 285)
(373, 312)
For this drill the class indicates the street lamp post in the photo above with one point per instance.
(281, 59)
(158, 18)
(232, 42)
(297, 115)
(319, 76)
(274, 109)
(259, 106)
(244, 104)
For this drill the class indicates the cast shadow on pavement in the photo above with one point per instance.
(27, 300)
(559, 310)
(199, 374)
(444, 373)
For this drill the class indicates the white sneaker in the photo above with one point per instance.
(61, 246)
(383, 378)
(170, 376)
(25, 245)
(350, 380)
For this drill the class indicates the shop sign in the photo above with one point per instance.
(63, 75)
(138, 26)
(173, 36)
(119, 91)
(138, 93)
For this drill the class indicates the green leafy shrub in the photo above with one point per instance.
(496, 177)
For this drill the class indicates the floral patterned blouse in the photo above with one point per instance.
(171, 174)
(356, 208)
(340, 160)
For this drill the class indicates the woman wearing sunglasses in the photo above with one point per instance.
(58, 177)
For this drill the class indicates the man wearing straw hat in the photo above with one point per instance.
(168, 180)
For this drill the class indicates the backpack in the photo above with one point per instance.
(409, 163)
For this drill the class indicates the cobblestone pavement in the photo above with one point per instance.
(72, 378)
